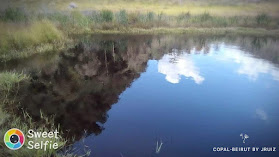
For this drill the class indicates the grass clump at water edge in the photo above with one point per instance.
(23, 40)
(10, 79)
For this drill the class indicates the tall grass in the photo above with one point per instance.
(16, 39)
(79, 19)
(9, 79)
(122, 17)
(109, 20)
(118, 20)
(106, 19)
(20, 37)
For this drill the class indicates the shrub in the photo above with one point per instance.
(162, 20)
(133, 18)
(263, 19)
(183, 16)
(150, 17)
(95, 16)
(122, 17)
(161, 17)
(106, 15)
(205, 17)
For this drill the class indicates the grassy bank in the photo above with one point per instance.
(75, 22)
(27, 32)
(9, 84)
(24, 124)
(195, 31)
(106, 21)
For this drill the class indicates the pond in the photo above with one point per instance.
(159, 95)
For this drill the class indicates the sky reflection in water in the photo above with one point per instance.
(130, 92)
(180, 63)
(194, 100)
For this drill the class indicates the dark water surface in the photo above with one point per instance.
(121, 95)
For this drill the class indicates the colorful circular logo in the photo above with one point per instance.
(14, 139)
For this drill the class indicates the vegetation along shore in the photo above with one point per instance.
(27, 31)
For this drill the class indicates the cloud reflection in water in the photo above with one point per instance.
(261, 114)
(175, 65)
(249, 65)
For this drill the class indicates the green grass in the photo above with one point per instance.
(22, 40)
(23, 36)
(10, 79)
